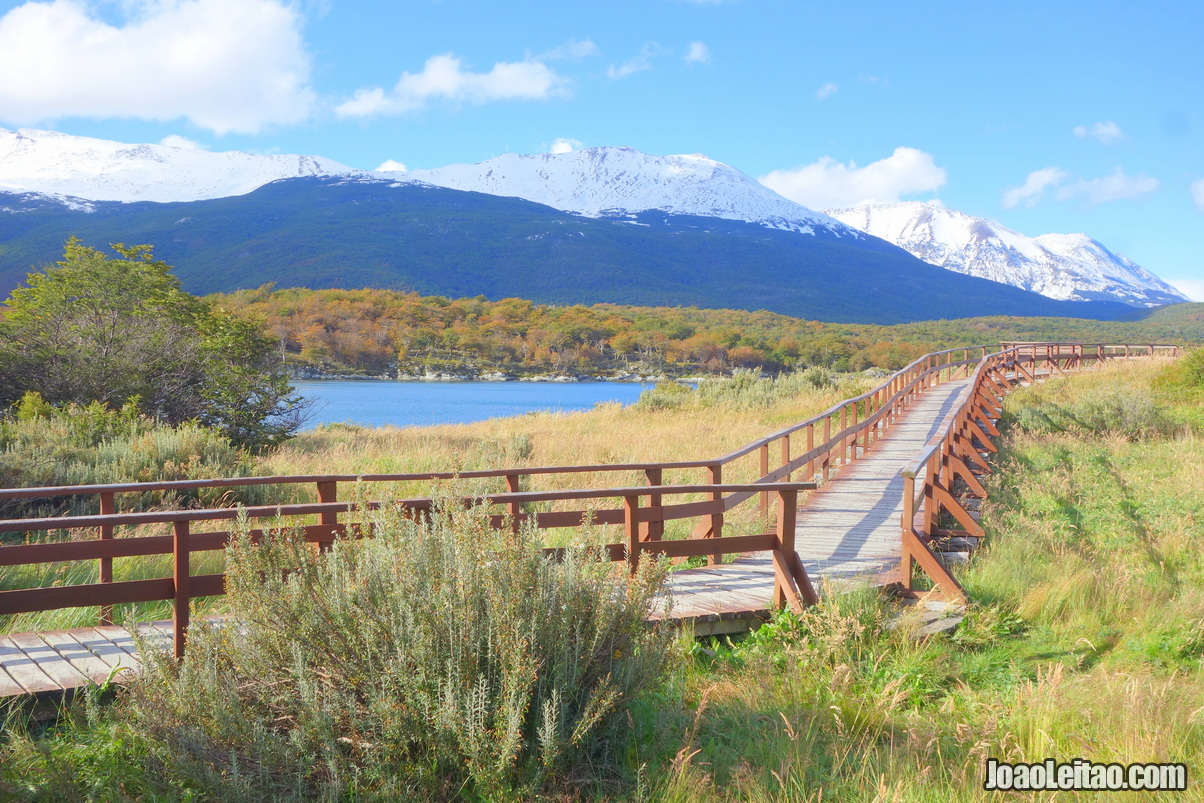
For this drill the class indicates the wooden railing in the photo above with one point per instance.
(834, 438)
(641, 525)
(956, 452)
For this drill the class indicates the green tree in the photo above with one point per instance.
(100, 328)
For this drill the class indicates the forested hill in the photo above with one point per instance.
(382, 332)
(346, 233)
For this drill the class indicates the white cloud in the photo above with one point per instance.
(1197, 194)
(698, 53)
(637, 63)
(176, 141)
(1106, 132)
(828, 184)
(224, 65)
(1034, 187)
(565, 145)
(1116, 187)
(391, 166)
(446, 78)
(1192, 288)
(826, 90)
(574, 49)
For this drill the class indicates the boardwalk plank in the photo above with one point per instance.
(49, 661)
(77, 656)
(26, 676)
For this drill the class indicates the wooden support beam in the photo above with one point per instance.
(946, 500)
(916, 549)
(977, 432)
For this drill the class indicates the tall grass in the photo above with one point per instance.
(1084, 638)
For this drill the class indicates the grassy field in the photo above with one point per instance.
(1085, 637)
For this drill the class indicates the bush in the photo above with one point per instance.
(747, 390)
(95, 328)
(1128, 413)
(43, 446)
(432, 661)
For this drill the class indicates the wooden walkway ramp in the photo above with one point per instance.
(917, 438)
(848, 532)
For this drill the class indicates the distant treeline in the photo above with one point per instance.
(382, 331)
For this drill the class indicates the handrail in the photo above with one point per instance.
(858, 422)
(930, 475)
(791, 584)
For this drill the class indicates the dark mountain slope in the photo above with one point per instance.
(346, 233)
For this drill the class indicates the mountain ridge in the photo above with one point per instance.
(335, 232)
(1071, 267)
(610, 183)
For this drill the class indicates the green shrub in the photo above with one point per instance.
(43, 446)
(432, 661)
(667, 395)
(747, 389)
(1129, 413)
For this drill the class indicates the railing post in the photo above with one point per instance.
(827, 464)
(764, 470)
(786, 456)
(909, 514)
(107, 508)
(715, 477)
(844, 439)
(930, 511)
(810, 475)
(856, 405)
(328, 491)
(631, 529)
(786, 525)
(180, 595)
(515, 509)
(655, 529)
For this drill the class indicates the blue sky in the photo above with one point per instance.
(1060, 116)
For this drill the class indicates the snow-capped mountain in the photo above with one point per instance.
(616, 182)
(1064, 266)
(608, 182)
(50, 163)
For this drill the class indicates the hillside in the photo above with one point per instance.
(356, 232)
(382, 332)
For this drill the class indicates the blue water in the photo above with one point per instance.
(376, 403)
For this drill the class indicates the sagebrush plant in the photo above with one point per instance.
(435, 659)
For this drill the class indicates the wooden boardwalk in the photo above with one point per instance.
(48, 664)
(848, 532)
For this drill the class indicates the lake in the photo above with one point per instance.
(376, 403)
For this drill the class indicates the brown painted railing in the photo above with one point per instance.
(830, 440)
(641, 525)
(956, 452)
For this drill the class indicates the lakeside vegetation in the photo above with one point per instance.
(1085, 638)
(382, 332)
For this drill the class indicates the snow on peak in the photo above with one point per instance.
(616, 181)
(1063, 266)
(56, 164)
